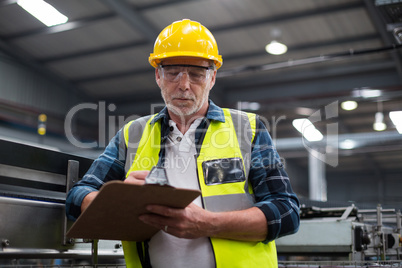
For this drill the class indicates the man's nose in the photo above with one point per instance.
(184, 81)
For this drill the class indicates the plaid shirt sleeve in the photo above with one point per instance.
(108, 166)
(272, 189)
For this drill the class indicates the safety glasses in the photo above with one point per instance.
(195, 74)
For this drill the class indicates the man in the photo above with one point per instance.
(247, 201)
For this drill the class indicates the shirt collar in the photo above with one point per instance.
(214, 113)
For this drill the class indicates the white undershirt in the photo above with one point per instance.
(166, 250)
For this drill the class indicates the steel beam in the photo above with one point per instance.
(386, 37)
(289, 16)
(133, 17)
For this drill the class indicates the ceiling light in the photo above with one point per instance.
(396, 118)
(276, 48)
(379, 124)
(349, 105)
(307, 129)
(254, 106)
(347, 144)
(367, 93)
(304, 111)
(43, 11)
(245, 105)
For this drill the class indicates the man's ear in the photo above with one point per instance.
(158, 77)
(213, 79)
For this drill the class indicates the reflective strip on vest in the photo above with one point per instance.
(245, 132)
(231, 139)
(143, 144)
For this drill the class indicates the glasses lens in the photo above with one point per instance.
(171, 73)
(196, 74)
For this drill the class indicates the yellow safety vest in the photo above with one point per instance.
(227, 143)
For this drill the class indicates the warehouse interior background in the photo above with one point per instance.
(91, 75)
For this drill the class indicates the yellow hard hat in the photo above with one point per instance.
(185, 38)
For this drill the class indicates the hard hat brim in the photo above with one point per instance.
(155, 60)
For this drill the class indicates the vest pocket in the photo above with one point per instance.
(226, 170)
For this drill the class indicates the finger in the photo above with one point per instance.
(137, 177)
(139, 174)
(151, 223)
(155, 220)
(164, 211)
(135, 181)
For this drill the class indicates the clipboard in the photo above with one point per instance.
(113, 214)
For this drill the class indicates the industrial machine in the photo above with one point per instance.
(346, 233)
(33, 185)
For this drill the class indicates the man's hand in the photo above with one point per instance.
(87, 200)
(137, 177)
(194, 222)
(191, 222)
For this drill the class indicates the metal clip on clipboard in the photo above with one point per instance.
(157, 175)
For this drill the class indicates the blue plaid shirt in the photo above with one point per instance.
(269, 180)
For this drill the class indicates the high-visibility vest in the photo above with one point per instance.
(226, 144)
